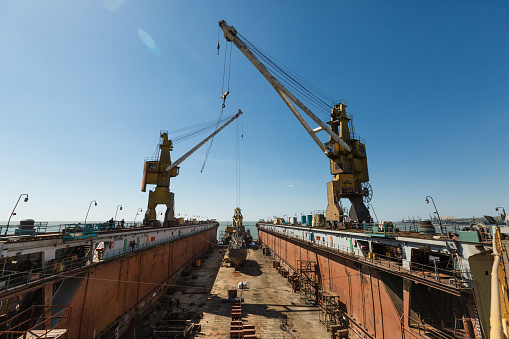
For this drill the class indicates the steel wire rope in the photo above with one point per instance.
(305, 97)
(175, 285)
(294, 84)
(289, 70)
(282, 69)
(224, 99)
(237, 162)
(195, 126)
(304, 93)
(205, 128)
(305, 88)
(284, 77)
(198, 129)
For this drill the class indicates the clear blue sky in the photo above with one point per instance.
(82, 101)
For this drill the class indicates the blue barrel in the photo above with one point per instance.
(309, 220)
(303, 220)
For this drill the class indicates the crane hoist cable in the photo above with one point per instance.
(237, 162)
(185, 133)
(305, 89)
(223, 96)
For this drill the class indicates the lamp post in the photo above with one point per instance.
(95, 204)
(502, 215)
(371, 206)
(12, 213)
(117, 211)
(438, 215)
(137, 212)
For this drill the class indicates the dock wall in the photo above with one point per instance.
(375, 309)
(110, 295)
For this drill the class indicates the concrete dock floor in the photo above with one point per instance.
(268, 296)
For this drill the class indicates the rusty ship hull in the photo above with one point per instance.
(236, 255)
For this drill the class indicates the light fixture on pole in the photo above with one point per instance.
(12, 213)
(137, 212)
(371, 206)
(95, 204)
(438, 215)
(502, 215)
(118, 206)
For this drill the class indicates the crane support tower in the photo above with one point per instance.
(346, 151)
(349, 171)
(159, 172)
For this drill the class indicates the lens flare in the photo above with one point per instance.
(148, 41)
(113, 5)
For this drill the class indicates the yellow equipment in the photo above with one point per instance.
(159, 172)
(349, 171)
(154, 173)
(347, 152)
(237, 219)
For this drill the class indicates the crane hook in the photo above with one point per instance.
(224, 98)
(218, 48)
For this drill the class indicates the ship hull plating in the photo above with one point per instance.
(237, 255)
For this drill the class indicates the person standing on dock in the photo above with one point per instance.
(122, 223)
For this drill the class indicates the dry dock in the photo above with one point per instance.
(268, 296)
(266, 299)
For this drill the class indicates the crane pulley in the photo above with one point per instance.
(346, 151)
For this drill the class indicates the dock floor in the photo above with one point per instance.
(268, 296)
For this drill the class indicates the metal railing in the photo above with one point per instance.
(454, 277)
(80, 231)
(374, 230)
(17, 279)
(24, 230)
(37, 325)
(42, 228)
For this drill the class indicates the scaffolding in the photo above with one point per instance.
(330, 312)
(308, 285)
(38, 321)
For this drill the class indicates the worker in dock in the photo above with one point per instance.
(122, 223)
(110, 224)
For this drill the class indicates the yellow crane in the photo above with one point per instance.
(159, 172)
(346, 151)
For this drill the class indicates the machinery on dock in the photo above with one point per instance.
(345, 150)
(159, 172)
(238, 240)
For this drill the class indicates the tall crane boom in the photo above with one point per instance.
(195, 148)
(230, 34)
(159, 172)
(346, 152)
